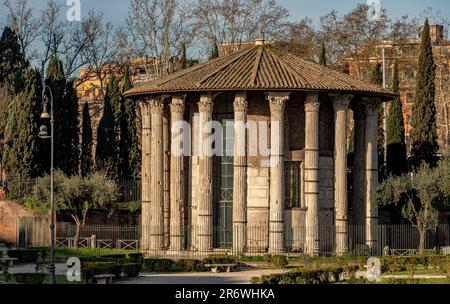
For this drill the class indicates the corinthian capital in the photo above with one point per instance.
(156, 106)
(240, 103)
(312, 103)
(371, 104)
(206, 103)
(177, 104)
(341, 101)
(144, 106)
(277, 100)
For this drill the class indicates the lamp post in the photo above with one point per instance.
(44, 134)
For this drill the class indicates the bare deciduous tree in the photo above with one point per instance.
(23, 23)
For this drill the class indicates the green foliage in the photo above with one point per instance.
(107, 149)
(220, 259)
(183, 59)
(323, 276)
(86, 158)
(30, 278)
(24, 255)
(277, 260)
(70, 141)
(158, 265)
(424, 134)
(323, 55)
(396, 149)
(76, 195)
(131, 270)
(91, 269)
(129, 148)
(214, 51)
(22, 147)
(12, 61)
(56, 81)
(420, 194)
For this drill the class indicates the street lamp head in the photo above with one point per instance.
(45, 114)
(43, 133)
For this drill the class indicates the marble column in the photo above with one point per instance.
(177, 187)
(166, 169)
(157, 176)
(359, 213)
(312, 106)
(205, 198)
(371, 144)
(340, 103)
(146, 174)
(277, 101)
(240, 173)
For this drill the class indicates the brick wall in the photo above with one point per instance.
(10, 212)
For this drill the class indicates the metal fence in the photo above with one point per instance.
(401, 239)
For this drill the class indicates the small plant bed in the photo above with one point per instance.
(34, 278)
(401, 281)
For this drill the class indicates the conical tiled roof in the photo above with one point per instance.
(261, 67)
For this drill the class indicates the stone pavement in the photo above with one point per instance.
(238, 277)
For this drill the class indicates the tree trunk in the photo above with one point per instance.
(77, 235)
(422, 235)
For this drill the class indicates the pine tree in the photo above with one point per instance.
(396, 149)
(130, 154)
(86, 159)
(183, 59)
(423, 135)
(323, 55)
(71, 139)
(377, 79)
(22, 147)
(56, 81)
(107, 150)
(214, 51)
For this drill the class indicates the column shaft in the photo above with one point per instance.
(240, 174)
(166, 167)
(340, 103)
(359, 213)
(205, 199)
(277, 102)
(157, 177)
(371, 135)
(312, 106)
(177, 196)
(146, 175)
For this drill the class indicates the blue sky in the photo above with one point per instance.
(116, 10)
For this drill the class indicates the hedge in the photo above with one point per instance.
(24, 255)
(30, 278)
(220, 259)
(322, 276)
(394, 264)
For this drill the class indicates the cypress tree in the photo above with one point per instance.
(423, 135)
(22, 147)
(323, 55)
(71, 139)
(86, 160)
(377, 79)
(56, 81)
(183, 59)
(396, 147)
(130, 154)
(107, 150)
(214, 51)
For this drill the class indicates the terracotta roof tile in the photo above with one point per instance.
(262, 67)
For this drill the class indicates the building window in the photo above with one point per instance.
(293, 184)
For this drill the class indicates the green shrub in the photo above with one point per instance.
(158, 265)
(131, 270)
(323, 276)
(90, 269)
(190, 265)
(279, 261)
(267, 258)
(220, 259)
(24, 255)
(118, 257)
(30, 278)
